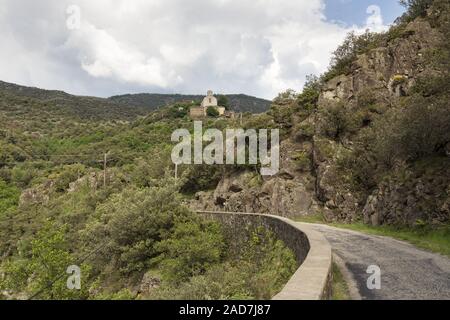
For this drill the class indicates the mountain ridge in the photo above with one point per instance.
(125, 106)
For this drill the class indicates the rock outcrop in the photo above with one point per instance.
(309, 180)
(288, 193)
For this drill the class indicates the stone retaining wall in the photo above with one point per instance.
(312, 280)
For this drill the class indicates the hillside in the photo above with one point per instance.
(56, 202)
(81, 107)
(367, 141)
(91, 180)
(152, 101)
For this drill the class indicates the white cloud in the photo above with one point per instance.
(105, 56)
(259, 47)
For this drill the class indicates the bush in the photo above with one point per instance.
(222, 101)
(307, 100)
(258, 271)
(199, 177)
(336, 120)
(415, 8)
(23, 174)
(285, 97)
(398, 79)
(69, 174)
(303, 160)
(192, 248)
(129, 225)
(9, 197)
(348, 51)
(177, 111)
(44, 272)
(212, 112)
(366, 98)
(420, 129)
(304, 131)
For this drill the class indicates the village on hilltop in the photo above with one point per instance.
(210, 103)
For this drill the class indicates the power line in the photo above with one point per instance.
(91, 160)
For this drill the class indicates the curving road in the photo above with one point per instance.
(406, 271)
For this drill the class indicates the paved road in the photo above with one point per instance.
(406, 271)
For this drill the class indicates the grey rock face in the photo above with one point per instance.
(288, 193)
(310, 180)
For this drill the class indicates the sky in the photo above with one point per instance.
(110, 47)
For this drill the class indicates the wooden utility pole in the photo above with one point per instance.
(240, 116)
(104, 169)
(176, 171)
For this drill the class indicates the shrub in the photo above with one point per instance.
(9, 197)
(258, 271)
(419, 129)
(366, 98)
(347, 52)
(307, 100)
(42, 272)
(129, 224)
(285, 97)
(304, 131)
(212, 112)
(177, 111)
(69, 174)
(222, 101)
(415, 8)
(398, 79)
(23, 174)
(192, 248)
(199, 177)
(336, 120)
(303, 160)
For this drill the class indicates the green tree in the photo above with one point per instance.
(192, 248)
(44, 273)
(336, 120)
(416, 8)
(223, 101)
(307, 100)
(212, 112)
(68, 174)
(129, 225)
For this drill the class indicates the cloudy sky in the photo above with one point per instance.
(108, 47)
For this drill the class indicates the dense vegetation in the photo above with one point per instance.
(77, 107)
(57, 208)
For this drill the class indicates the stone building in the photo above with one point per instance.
(208, 101)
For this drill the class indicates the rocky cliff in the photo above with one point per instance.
(339, 156)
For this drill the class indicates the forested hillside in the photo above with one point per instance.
(21, 99)
(128, 230)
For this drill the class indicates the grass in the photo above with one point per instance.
(435, 239)
(339, 288)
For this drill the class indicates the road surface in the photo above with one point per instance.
(406, 271)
